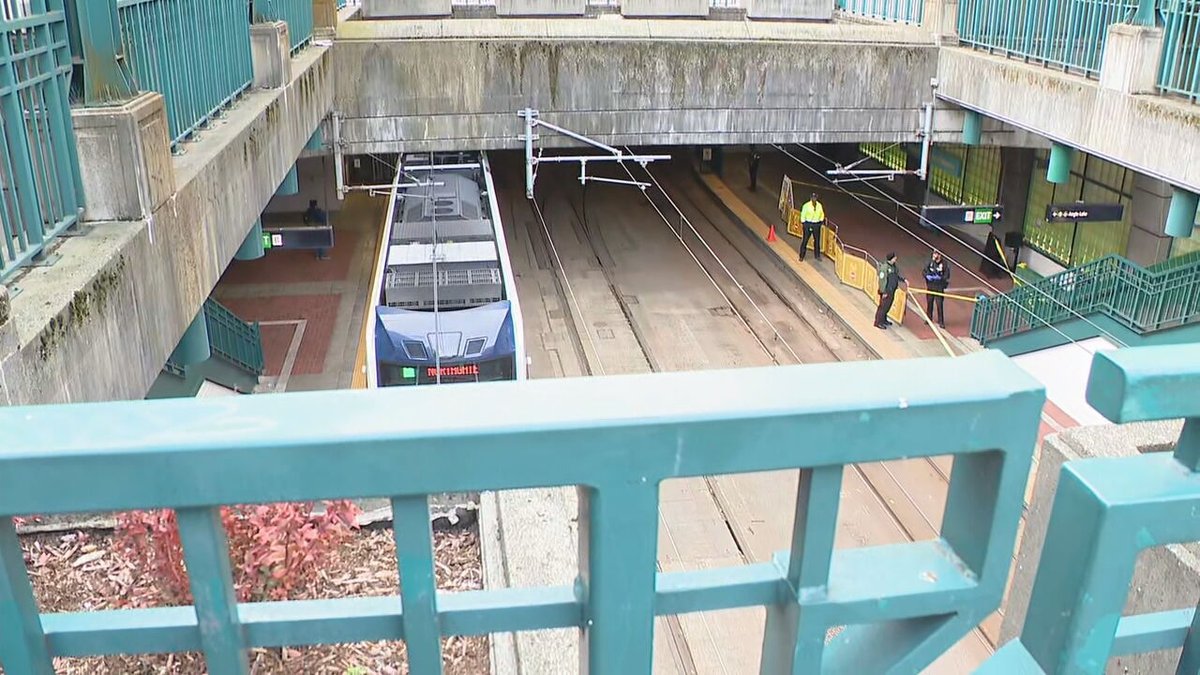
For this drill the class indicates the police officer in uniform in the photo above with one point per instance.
(937, 279)
(812, 217)
(889, 281)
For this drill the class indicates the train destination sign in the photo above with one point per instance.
(963, 215)
(464, 370)
(1084, 213)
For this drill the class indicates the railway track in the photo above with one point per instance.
(770, 307)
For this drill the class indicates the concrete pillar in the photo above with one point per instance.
(664, 8)
(811, 10)
(193, 347)
(1181, 219)
(399, 9)
(325, 18)
(8, 328)
(1130, 61)
(1017, 166)
(972, 128)
(941, 21)
(271, 52)
(252, 247)
(1148, 241)
(290, 184)
(131, 136)
(1059, 170)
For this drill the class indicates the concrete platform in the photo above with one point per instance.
(311, 310)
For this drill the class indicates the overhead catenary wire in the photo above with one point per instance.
(965, 268)
(679, 235)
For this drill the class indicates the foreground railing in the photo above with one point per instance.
(903, 11)
(616, 438)
(1105, 512)
(39, 167)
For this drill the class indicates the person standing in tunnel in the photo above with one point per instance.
(755, 158)
(812, 217)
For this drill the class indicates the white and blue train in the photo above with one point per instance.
(445, 302)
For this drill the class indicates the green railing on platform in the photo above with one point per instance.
(903, 11)
(1141, 299)
(196, 53)
(298, 14)
(617, 438)
(238, 342)
(39, 167)
(1179, 71)
(1106, 511)
(1065, 34)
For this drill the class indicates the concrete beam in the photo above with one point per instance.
(806, 10)
(99, 324)
(1154, 135)
(420, 85)
(396, 9)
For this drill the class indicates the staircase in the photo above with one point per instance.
(236, 363)
(1135, 301)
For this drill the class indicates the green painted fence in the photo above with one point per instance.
(196, 53)
(617, 438)
(298, 14)
(1142, 299)
(903, 11)
(1105, 512)
(39, 168)
(238, 342)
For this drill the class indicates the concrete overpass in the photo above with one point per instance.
(99, 323)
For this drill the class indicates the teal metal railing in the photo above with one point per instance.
(1179, 70)
(298, 14)
(617, 440)
(238, 342)
(196, 53)
(1066, 34)
(1106, 511)
(1141, 299)
(39, 168)
(903, 11)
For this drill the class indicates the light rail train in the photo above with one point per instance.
(445, 306)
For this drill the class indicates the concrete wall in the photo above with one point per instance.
(1166, 577)
(1155, 135)
(100, 323)
(540, 7)
(811, 10)
(317, 181)
(418, 85)
(664, 8)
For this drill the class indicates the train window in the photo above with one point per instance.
(475, 346)
(415, 350)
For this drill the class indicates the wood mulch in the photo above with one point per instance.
(79, 571)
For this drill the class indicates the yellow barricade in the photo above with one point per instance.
(852, 270)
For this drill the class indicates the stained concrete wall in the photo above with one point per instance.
(1155, 135)
(100, 323)
(419, 85)
(1166, 577)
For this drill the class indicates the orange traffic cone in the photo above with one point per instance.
(771, 234)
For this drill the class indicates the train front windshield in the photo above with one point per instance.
(395, 375)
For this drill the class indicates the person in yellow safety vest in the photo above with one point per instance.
(812, 217)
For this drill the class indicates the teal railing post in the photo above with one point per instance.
(792, 643)
(418, 587)
(96, 34)
(1146, 13)
(206, 553)
(22, 643)
(618, 541)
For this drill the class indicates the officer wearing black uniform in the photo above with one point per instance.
(889, 281)
(937, 279)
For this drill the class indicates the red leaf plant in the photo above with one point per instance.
(274, 549)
